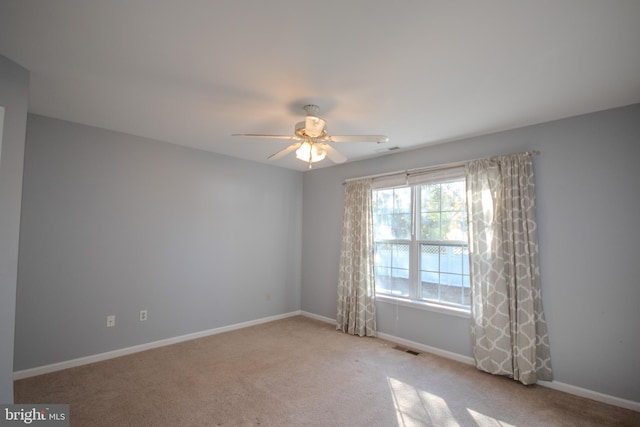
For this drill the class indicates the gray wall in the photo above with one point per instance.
(14, 97)
(587, 180)
(112, 224)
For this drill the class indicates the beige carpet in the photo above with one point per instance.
(301, 372)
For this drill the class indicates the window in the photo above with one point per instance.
(420, 234)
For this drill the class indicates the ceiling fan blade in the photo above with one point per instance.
(333, 154)
(358, 138)
(260, 135)
(285, 151)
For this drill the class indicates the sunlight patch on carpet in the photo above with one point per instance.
(415, 407)
(485, 420)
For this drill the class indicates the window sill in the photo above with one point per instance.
(453, 311)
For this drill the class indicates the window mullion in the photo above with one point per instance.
(414, 264)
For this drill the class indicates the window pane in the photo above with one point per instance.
(401, 226)
(451, 293)
(451, 261)
(430, 258)
(443, 211)
(466, 291)
(442, 275)
(430, 198)
(402, 200)
(453, 226)
(392, 226)
(430, 276)
(383, 202)
(392, 268)
(400, 255)
(392, 214)
(430, 226)
(451, 280)
(465, 261)
(453, 196)
(430, 291)
(382, 255)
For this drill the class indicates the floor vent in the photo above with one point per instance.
(406, 350)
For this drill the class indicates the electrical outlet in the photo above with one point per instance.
(111, 321)
(143, 315)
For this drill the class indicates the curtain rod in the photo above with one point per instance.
(433, 168)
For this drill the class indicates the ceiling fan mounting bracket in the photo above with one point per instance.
(311, 109)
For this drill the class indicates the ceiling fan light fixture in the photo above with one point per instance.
(309, 152)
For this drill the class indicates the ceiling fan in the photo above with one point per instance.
(312, 139)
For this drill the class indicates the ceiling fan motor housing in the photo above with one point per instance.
(313, 125)
(305, 132)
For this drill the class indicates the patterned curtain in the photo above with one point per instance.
(356, 290)
(508, 326)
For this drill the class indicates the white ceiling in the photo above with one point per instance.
(421, 72)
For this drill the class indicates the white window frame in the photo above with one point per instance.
(413, 181)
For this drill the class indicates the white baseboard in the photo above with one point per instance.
(426, 348)
(402, 341)
(593, 395)
(567, 388)
(31, 372)
(318, 317)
